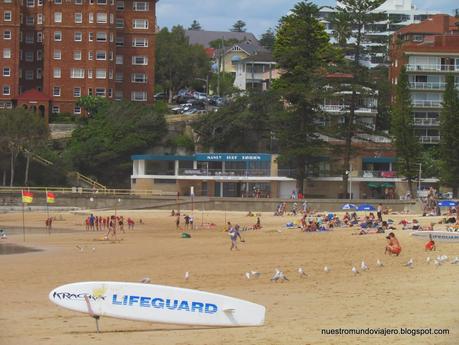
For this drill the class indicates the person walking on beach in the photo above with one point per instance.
(234, 234)
(187, 221)
(177, 222)
(393, 245)
(380, 210)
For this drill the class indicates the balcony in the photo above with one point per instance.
(427, 86)
(429, 139)
(227, 172)
(417, 103)
(378, 173)
(340, 109)
(426, 122)
(431, 68)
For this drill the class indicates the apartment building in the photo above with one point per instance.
(429, 51)
(55, 51)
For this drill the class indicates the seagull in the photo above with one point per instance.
(255, 274)
(187, 275)
(379, 263)
(409, 263)
(276, 275)
(247, 275)
(363, 266)
(437, 263)
(444, 258)
(455, 261)
(282, 276)
(93, 249)
(301, 272)
(326, 269)
(146, 280)
(80, 247)
(428, 260)
(354, 270)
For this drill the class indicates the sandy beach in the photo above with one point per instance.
(392, 296)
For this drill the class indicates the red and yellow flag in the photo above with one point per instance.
(50, 198)
(27, 197)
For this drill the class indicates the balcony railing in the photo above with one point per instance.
(432, 68)
(378, 173)
(427, 85)
(344, 108)
(227, 172)
(426, 122)
(429, 139)
(426, 104)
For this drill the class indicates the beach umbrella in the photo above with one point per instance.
(349, 207)
(366, 207)
(447, 203)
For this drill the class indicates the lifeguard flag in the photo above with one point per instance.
(50, 198)
(27, 197)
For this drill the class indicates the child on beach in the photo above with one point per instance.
(234, 234)
(393, 245)
(429, 246)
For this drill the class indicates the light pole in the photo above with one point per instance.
(349, 174)
(419, 177)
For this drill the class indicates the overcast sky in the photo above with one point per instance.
(219, 15)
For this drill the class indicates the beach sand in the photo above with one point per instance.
(390, 297)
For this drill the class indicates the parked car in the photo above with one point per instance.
(160, 96)
(200, 95)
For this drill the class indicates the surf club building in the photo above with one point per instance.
(212, 174)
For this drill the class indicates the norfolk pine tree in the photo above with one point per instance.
(407, 145)
(449, 139)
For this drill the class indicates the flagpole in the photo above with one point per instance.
(47, 212)
(23, 221)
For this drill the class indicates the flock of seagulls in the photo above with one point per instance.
(81, 248)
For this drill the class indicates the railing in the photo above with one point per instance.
(378, 173)
(426, 104)
(227, 172)
(428, 85)
(432, 67)
(429, 139)
(426, 122)
(85, 191)
(89, 181)
(344, 108)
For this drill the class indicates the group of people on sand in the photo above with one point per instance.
(393, 246)
(281, 209)
(109, 223)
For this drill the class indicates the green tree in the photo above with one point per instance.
(222, 43)
(239, 26)
(303, 51)
(177, 62)
(21, 131)
(342, 28)
(195, 25)
(267, 39)
(103, 147)
(92, 103)
(449, 140)
(406, 143)
(359, 13)
(226, 83)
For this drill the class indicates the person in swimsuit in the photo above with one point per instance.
(393, 245)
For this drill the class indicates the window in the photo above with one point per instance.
(90, 73)
(119, 41)
(109, 93)
(39, 55)
(101, 17)
(138, 96)
(6, 90)
(6, 35)
(118, 95)
(89, 92)
(77, 73)
(119, 77)
(6, 72)
(29, 56)
(140, 6)
(119, 23)
(7, 16)
(100, 91)
(90, 36)
(56, 91)
(78, 2)
(91, 17)
(101, 55)
(90, 55)
(58, 2)
(7, 1)
(101, 73)
(77, 55)
(101, 2)
(57, 36)
(39, 73)
(57, 72)
(78, 18)
(101, 37)
(39, 18)
(39, 2)
(77, 92)
(30, 20)
(77, 110)
(139, 60)
(77, 36)
(6, 53)
(138, 78)
(55, 109)
(120, 5)
(140, 42)
(119, 59)
(58, 17)
(140, 24)
(29, 74)
(39, 37)
(30, 3)
(29, 37)
(57, 54)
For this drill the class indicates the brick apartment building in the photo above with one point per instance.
(429, 51)
(54, 51)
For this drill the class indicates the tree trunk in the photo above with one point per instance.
(301, 174)
(26, 174)
(4, 178)
(12, 162)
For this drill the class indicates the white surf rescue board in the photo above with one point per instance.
(447, 236)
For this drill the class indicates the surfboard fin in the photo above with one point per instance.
(91, 312)
(229, 310)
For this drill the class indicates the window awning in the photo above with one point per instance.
(378, 160)
(381, 185)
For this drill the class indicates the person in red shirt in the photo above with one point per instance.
(429, 246)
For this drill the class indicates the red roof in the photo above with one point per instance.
(33, 95)
(437, 24)
(210, 52)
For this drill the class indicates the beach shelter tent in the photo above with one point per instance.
(349, 207)
(366, 207)
(447, 203)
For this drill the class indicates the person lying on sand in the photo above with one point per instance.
(393, 245)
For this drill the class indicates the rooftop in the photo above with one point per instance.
(203, 37)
